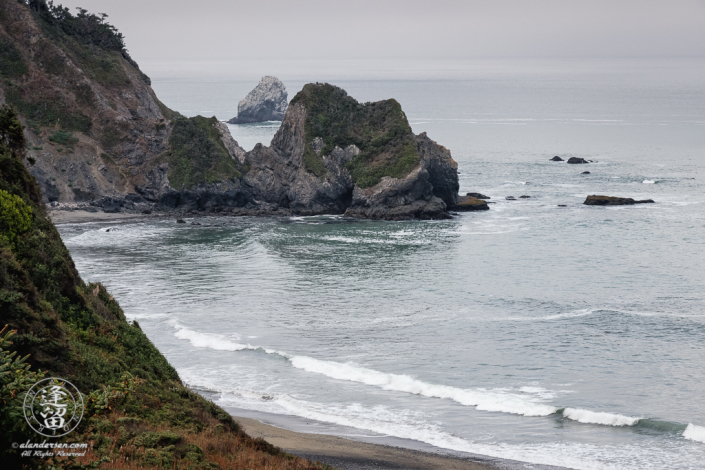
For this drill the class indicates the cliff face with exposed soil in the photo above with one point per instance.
(99, 139)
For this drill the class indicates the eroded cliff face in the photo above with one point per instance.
(94, 125)
(372, 141)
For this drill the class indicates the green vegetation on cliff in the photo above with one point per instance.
(197, 154)
(138, 413)
(380, 130)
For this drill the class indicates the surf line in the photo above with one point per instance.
(481, 399)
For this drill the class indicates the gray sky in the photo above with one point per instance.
(414, 29)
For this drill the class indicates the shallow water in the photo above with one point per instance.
(569, 336)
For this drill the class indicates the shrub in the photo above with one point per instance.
(15, 218)
(11, 63)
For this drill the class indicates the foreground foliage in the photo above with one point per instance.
(138, 413)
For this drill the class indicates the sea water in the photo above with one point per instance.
(570, 336)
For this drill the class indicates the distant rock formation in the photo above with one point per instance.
(556, 159)
(267, 102)
(577, 160)
(596, 200)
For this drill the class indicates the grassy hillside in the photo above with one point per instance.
(380, 130)
(138, 413)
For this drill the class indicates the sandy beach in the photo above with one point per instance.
(79, 216)
(347, 454)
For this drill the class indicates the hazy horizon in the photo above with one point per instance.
(182, 31)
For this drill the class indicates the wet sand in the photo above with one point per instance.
(346, 454)
(78, 216)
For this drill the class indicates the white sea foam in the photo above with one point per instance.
(649, 181)
(484, 400)
(595, 417)
(694, 433)
(496, 400)
(410, 425)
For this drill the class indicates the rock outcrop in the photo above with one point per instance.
(556, 159)
(574, 160)
(266, 102)
(469, 203)
(98, 138)
(335, 155)
(596, 200)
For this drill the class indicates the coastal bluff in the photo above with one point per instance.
(99, 140)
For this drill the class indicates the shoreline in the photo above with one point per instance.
(358, 450)
(76, 216)
(345, 454)
(340, 452)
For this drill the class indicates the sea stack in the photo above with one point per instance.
(266, 102)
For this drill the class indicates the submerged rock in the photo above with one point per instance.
(556, 159)
(585, 173)
(577, 160)
(596, 200)
(510, 198)
(524, 197)
(266, 102)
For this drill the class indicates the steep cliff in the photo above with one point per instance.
(138, 414)
(95, 129)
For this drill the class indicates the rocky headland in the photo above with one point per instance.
(98, 138)
(266, 102)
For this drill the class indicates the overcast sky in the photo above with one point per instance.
(404, 29)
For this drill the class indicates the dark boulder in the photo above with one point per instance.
(469, 203)
(510, 198)
(577, 160)
(478, 195)
(524, 197)
(556, 159)
(585, 173)
(596, 200)
(180, 221)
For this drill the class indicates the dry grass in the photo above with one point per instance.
(221, 449)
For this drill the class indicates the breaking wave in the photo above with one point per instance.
(694, 433)
(525, 403)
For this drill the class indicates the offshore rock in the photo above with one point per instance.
(266, 102)
(478, 195)
(556, 159)
(303, 173)
(596, 200)
(577, 160)
(470, 203)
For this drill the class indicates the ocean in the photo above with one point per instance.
(571, 336)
